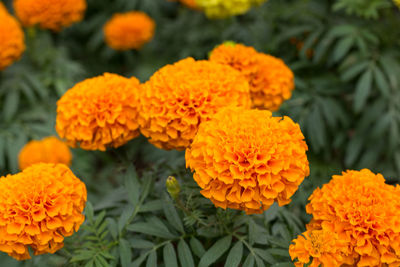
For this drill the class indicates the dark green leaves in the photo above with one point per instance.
(215, 251)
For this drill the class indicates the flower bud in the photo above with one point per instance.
(173, 187)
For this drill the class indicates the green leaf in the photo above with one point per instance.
(215, 251)
(235, 255)
(197, 247)
(112, 227)
(150, 229)
(354, 70)
(125, 253)
(184, 254)
(363, 89)
(265, 255)
(82, 256)
(11, 102)
(249, 262)
(141, 243)
(153, 205)
(252, 231)
(152, 259)
(124, 219)
(173, 217)
(278, 252)
(170, 256)
(132, 185)
(89, 211)
(342, 48)
(381, 82)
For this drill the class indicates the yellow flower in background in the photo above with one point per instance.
(363, 212)
(226, 8)
(38, 208)
(179, 97)
(47, 150)
(49, 14)
(131, 30)
(397, 2)
(99, 112)
(247, 159)
(270, 79)
(12, 40)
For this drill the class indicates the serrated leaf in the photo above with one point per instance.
(235, 255)
(216, 251)
(141, 243)
(132, 185)
(197, 247)
(342, 48)
(125, 253)
(173, 217)
(152, 259)
(265, 255)
(150, 229)
(363, 90)
(184, 254)
(249, 262)
(112, 227)
(10, 106)
(170, 259)
(89, 211)
(124, 218)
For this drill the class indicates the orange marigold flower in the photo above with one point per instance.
(247, 159)
(324, 247)
(12, 40)
(362, 211)
(47, 150)
(131, 30)
(271, 81)
(178, 97)
(99, 112)
(49, 14)
(38, 208)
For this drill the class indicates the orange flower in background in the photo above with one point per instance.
(49, 14)
(131, 30)
(189, 3)
(99, 112)
(362, 211)
(247, 159)
(47, 150)
(179, 97)
(12, 40)
(271, 81)
(38, 208)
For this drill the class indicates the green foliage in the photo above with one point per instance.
(347, 102)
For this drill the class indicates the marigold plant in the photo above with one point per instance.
(363, 212)
(247, 159)
(99, 112)
(38, 208)
(49, 14)
(131, 30)
(178, 97)
(226, 8)
(271, 81)
(12, 40)
(47, 150)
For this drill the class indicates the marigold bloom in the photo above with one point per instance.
(131, 30)
(397, 2)
(271, 81)
(226, 8)
(49, 14)
(99, 112)
(178, 97)
(38, 208)
(47, 150)
(362, 211)
(12, 40)
(247, 159)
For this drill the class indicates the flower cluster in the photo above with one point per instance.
(356, 216)
(131, 30)
(12, 43)
(38, 208)
(271, 81)
(226, 8)
(179, 97)
(49, 14)
(47, 150)
(99, 112)
(247, 159)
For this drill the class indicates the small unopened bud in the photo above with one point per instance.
(173, 187)
(229, 43)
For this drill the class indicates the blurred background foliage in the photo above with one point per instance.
(346, 59)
